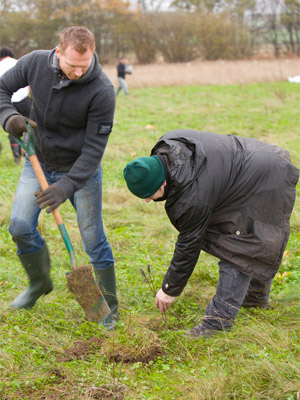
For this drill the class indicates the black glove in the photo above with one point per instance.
(52, 196)
(15, 125)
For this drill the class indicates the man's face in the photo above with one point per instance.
(158, 194)
(74, 64)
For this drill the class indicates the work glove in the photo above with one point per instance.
(52, 197)
(15, 125)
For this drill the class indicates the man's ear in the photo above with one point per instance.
(57, 52)
(164, 183)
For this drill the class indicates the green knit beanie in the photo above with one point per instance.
(144, 176)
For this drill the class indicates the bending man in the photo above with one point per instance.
(229, 196)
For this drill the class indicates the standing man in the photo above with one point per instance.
(123, 68)
(229, 196)
(21, 98)
(74, 104)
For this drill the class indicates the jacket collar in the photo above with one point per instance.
(93, 70)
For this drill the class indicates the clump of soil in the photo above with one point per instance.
(68, 391)
(82, 284)
(138, 345)
(81, 349)
(60, 376)
(135, 344)
(106, 392)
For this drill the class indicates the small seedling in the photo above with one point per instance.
(149, 280)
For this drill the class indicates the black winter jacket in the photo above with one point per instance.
(121, 70)
(74, 117)
(231, 197)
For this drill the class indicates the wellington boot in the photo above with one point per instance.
(106, 281)
(16, 150)
(37, 266)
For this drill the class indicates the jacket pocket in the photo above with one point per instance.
(263, 244)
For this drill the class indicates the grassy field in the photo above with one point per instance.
(52, 352)
(200, 72)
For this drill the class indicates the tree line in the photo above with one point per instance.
(206, 29)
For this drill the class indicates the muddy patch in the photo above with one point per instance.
(82, 284)
(140, 345)
(106, 392)
(81, 349)
(70, 392)
(127, 355)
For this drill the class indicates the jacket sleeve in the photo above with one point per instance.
(192, 226)
(99, 126)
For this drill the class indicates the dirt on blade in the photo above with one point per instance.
(82, 284)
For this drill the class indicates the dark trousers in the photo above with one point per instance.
(232, 288)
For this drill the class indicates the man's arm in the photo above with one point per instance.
(192, 226)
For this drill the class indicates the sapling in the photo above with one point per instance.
(149, 281)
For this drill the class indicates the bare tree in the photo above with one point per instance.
(270, 11)
(141, 31)
(176, 39)
(290, 19)
(197, 5)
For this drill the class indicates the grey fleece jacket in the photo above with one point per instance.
(74, 117)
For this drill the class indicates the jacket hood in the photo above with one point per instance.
(185, 162)
(91, 73)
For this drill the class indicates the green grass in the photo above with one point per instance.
(259, 359)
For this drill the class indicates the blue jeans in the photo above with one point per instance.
(88, 205)
(122, 85)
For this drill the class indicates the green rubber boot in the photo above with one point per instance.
(106, 281)
(37, 266)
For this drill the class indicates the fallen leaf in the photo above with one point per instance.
(149, 126)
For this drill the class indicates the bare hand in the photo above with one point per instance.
(163, 301)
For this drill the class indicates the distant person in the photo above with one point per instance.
(123, 68)
(20, 99)
(229, 196)
(72, 118)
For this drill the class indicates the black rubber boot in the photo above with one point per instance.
(106, 281)
(37, 266)
(16, 150)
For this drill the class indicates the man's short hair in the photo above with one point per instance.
(6, 52)
(78, 37)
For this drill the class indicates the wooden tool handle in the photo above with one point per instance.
(44, 184)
